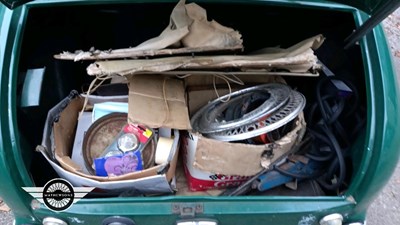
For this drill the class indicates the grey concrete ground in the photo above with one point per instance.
(6, 218)
(386, 208)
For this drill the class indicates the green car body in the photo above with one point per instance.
(380, 149)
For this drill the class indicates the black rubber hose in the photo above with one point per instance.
(319, 99)
(314, 107)
(334, 115)
(328, 126)
(320, 136)
(340, 158)
(355, 94)
(319, 158)
(333, 167)
(342, 133)
(333, 120)
(331, 117)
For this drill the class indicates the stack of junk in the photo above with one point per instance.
(190, 112)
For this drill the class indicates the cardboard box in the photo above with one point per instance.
(242, 159)
(158, 100)
(211, 164)
(57, 145)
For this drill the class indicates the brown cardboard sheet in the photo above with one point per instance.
(158, 101)
(299, 58)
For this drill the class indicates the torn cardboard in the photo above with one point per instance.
(242, 159)
(201, 180)
(188, 30)
(158, 101)
(299, 58)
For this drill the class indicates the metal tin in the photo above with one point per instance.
(101, 134)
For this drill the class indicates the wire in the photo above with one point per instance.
(342, 165)
(319, 158)
(328, 125)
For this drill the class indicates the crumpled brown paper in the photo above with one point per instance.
(188, 30)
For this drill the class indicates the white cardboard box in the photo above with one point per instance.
(57, 143)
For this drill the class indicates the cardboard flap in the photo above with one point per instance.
(243, 159)
(158, 101)
(64, 129)
(219, 157)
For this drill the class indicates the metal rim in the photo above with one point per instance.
(281, 117)
(205, 120)
(91, 133)
(148, 152)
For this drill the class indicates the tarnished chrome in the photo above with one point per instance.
(35, 204)
(187, 209)
(197, 222)
(207, 119)
(266, 122)
(332, 219)
(53, 221)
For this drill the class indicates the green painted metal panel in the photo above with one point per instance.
(379, 150)
(233, 211)
(10, 158)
